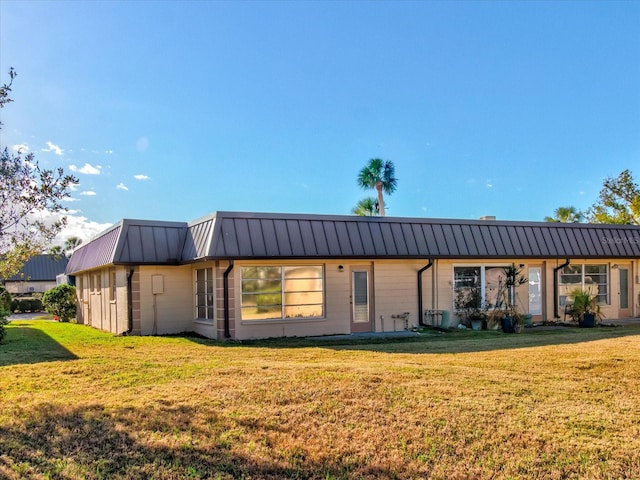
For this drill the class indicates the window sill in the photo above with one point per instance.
(203, 321)
(271, 321)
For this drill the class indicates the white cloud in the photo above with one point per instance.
(70, 199)
(87, 169)
(489, 184)
(141, 177)
(21, 148)
(109, 152)
(122, 186)
(53, 148)
(88, 193)
(77, 225)
(81, 227)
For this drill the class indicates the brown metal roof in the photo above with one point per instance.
(253, 235)
(234, 235)
(138, 242)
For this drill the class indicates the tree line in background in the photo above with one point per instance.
(618, 203)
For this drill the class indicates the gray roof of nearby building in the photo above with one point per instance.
(41, 268)
(234, 235)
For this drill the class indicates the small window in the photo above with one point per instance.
(204, 298)
(112, 284)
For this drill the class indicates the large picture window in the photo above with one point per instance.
(204, 293)
(476, 286)
(593, 278)
(278, 292)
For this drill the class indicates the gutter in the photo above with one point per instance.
(130, 300)
(420, 310)
(225, 285)
(556, 313)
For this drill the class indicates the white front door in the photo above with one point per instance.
(361, 313)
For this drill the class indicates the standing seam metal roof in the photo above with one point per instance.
(41, 268)
(261, 236)
(236, 235)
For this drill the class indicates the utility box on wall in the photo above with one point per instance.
(157, 284)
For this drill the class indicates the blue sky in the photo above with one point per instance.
(172, 110)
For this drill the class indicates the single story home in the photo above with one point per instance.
(37, 275)
(239, 276)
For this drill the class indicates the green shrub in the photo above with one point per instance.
(3, 321)
(5, 310)
(5, 300)
(60, 301)
(23, 305)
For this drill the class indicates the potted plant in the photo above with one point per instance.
(586, 309)
(506, 310)
(469, 306)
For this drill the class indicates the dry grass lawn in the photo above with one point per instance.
(76, 403)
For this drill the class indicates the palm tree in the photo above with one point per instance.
(380, 175)
(367, 207)
(566, 215)
(70, 244)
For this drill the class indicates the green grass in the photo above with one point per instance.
(76, 403)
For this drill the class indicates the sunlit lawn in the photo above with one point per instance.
(76, 403)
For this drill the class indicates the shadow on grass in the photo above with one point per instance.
(454, 341)
(24, 345)
(90, 442)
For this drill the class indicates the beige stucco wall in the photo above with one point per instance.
(28, 287)
(173, 311)
(394, 292)
(96, 307)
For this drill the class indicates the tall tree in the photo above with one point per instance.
(29, 195)
(566, 215)
(367, 207)
(619, 201)
(70, 244)
(380, 175)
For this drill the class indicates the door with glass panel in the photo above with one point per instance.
(624, 276)
(535, 292)
(361, 311)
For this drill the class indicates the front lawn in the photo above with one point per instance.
(76, 403)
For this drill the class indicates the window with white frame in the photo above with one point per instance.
(282, 292)
(204, 298)
(593, 278)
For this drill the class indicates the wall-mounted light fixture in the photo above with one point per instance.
(614, 266)
(340, 268)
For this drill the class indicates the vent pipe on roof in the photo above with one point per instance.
(556, 313)
(225, 286)
(488, 217)
(420, 311)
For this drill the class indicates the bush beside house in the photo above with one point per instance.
(61, 302)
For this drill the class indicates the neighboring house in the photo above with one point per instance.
(257, 275)
(37, 275)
